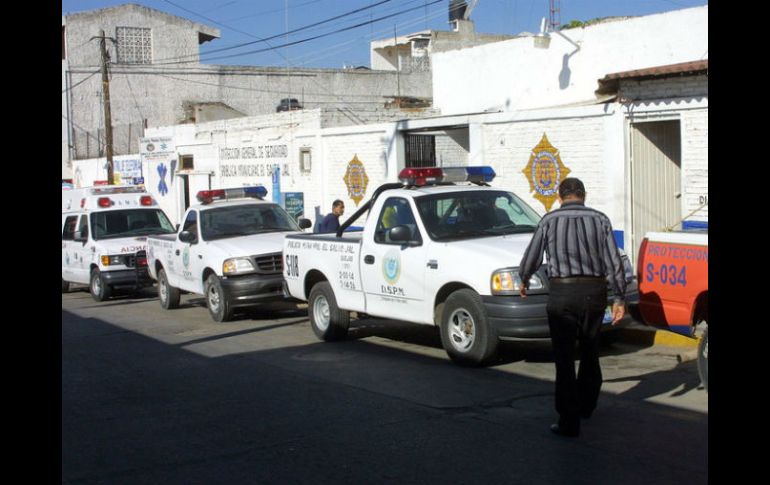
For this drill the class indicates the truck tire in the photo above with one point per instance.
(167, 294)
(328, 321)
(703, 359)
(100, 290)
(465, 331)
(65, 286)
(220, 308)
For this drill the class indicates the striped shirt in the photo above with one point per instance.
(577, 241)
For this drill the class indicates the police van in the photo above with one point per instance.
(104, 238)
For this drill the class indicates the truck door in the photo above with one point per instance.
(185, 256)
(393, 273)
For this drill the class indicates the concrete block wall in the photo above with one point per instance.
(581, 145)
(452, 149)
(695, 86)
(695, 158)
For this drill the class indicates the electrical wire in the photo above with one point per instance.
(81, 81)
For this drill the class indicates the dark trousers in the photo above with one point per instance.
(575, 314)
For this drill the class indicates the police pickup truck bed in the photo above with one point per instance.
(673, 286)
(430, 252)
(228, 249)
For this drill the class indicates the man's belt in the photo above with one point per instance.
(579, 279)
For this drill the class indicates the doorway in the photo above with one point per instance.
(656, 179)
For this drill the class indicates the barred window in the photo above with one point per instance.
(134, 45)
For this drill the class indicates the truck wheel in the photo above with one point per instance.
(100, 290)
(65, 286)
(703, 359)
(328, 321)
(219, 307)
(465, 331)
(168, 295)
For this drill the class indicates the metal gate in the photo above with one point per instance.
(420, 150)
(656, 185)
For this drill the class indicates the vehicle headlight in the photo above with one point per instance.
(507, 282)
(112, 259)
(236, 266)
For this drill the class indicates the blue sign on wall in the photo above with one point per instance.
(294, 203)
(277, 184)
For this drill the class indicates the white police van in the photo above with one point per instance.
(104, 237)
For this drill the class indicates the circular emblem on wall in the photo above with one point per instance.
(544, 172)
(391, 266)
(186, 257)
(150, 147)
(356, 179)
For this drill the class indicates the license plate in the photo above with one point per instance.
(607, 315)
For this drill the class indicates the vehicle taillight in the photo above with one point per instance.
(105, 202)
(145, 200)
(640, 261)
(140, 261)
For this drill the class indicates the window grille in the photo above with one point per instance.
(134, 45)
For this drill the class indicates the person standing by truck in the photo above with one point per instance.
(331, 222)
(581, 255)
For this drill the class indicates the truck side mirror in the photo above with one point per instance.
(81, 236)
(188, 237)
(304, 223)
(400, 234)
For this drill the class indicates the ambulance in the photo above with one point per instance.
(104, 238)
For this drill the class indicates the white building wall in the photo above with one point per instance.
(518, 76)
(695, 159)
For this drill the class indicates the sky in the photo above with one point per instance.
(251, 21)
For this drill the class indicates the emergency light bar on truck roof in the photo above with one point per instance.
(117, 189)
(209, 196)
(438, 175)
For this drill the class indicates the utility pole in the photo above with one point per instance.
(107, 111)
(398, 65)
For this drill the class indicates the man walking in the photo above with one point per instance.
(581, 256)
(331, 222)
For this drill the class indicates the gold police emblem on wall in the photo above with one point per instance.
(545, 171)
(356, 179)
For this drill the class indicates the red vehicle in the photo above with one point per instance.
(672, 271)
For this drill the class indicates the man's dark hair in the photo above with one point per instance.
(337, 203)
(572, 186)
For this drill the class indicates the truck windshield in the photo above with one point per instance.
(244, 220)
(129, 222)
(467, 215)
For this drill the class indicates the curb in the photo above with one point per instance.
(652, 336)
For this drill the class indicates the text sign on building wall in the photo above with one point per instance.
(160, 147)
(160, 155)
(294, 203)
(245, 161)
(127, 171)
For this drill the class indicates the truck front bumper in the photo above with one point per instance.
(514, 317)
(136, 278)
(248, 290)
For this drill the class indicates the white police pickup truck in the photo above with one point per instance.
(431, 252)
(104, 233)
(228, 248)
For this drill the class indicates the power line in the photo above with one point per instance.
(81, 81)
(236, 46)
(301, 41)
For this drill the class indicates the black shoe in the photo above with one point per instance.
(572, 433)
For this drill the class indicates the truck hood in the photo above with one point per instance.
(123, 245)
(263, 243)
(490, 253)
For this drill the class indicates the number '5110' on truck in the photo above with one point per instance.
(674, 287)
(439, 248)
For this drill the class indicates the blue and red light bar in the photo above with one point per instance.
(209, 196)
(436, 175)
